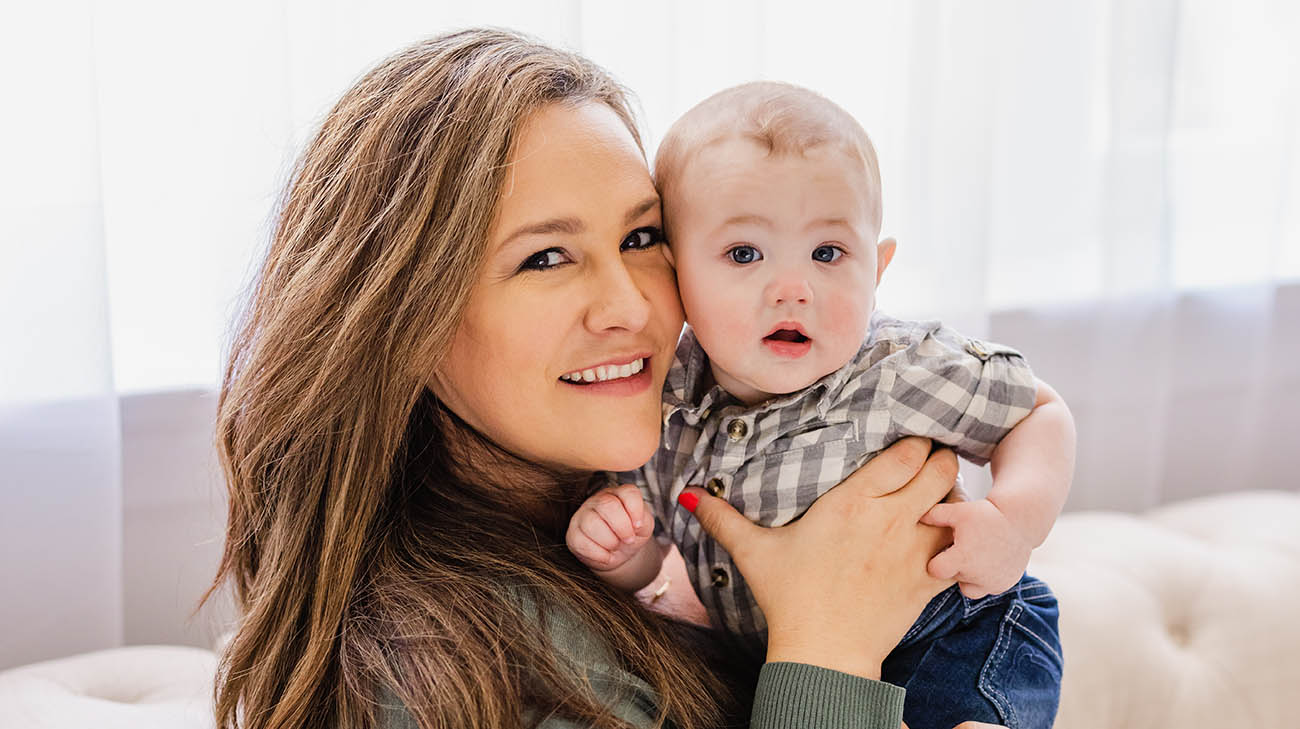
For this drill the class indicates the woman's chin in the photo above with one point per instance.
(629, 454)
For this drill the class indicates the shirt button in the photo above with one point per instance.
(976, 347)
(737, 429)
(720, 578)
(704, 414)
(715, 487)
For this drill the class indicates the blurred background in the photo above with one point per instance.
(1112, 186)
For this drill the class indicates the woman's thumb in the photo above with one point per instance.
(721, 520)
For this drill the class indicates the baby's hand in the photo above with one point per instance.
(610, 527)
(988, 554)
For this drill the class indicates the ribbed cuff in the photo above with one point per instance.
(800, 695)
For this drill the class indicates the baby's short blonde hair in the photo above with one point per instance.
(783, 118)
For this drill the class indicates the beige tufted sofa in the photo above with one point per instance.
(1187, 616)
(1184, 617)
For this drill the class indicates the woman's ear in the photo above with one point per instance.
(884, 254)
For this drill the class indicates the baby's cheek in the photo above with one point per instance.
(847, 316)
(723, 326)
(693, 290)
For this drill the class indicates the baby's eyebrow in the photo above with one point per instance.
(747, 219)
(829, 222)
(755, 219)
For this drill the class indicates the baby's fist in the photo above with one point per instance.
(610, 527)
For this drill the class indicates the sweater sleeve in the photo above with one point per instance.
(800, 695)
(788, 695)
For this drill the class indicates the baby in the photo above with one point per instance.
(786, 382)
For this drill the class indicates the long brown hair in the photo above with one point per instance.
(377, 546)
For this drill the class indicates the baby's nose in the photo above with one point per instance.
(790, 290)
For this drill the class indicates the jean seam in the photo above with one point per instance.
(994, 660)
(973, 608)
(1035, 591)
(929, 612)
(1040, 639)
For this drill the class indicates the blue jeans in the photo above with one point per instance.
(996, 659)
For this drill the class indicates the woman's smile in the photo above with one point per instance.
(606, 371)
(631, 378)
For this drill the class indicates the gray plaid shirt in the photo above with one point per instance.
(773, 460)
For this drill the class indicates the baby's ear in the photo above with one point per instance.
(884, 254)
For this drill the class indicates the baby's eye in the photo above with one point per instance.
(744, 254)
(646, 237)
(543, 260)
(827, 254)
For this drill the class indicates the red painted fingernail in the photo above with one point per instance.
(688, 500)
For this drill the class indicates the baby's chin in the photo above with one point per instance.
(783, 386)
(764, 386)
(754, 383)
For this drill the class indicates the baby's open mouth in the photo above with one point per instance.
(787, 335)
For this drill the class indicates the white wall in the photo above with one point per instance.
(101, 550)
(173, 518)
(60, 530)
(1174, 396)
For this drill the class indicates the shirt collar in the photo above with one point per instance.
(686, 388)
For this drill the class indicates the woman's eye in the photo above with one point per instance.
(542, 260)
(827, 254)
(646, 237)
(744, 254)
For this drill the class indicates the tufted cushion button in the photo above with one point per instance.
(1179, 634)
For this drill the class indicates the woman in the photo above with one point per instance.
(475, 219)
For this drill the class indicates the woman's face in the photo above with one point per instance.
(570, 329)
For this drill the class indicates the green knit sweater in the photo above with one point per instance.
(787, 694)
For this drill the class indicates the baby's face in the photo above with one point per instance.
(776, 261)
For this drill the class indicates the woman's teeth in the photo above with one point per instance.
(605, 372)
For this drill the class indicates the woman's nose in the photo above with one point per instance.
(789, 289)
(617, 301)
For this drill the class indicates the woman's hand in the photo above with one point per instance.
(841, 586)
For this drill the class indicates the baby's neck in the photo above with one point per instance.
(747, 395)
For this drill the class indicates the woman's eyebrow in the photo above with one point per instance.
(566, 226)
(575, 226)
(640, 209)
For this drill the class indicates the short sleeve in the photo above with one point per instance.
(962, 392)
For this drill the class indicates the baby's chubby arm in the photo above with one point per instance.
(611, 533)
(1032, 469)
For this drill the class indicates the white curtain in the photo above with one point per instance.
(1114, 185)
